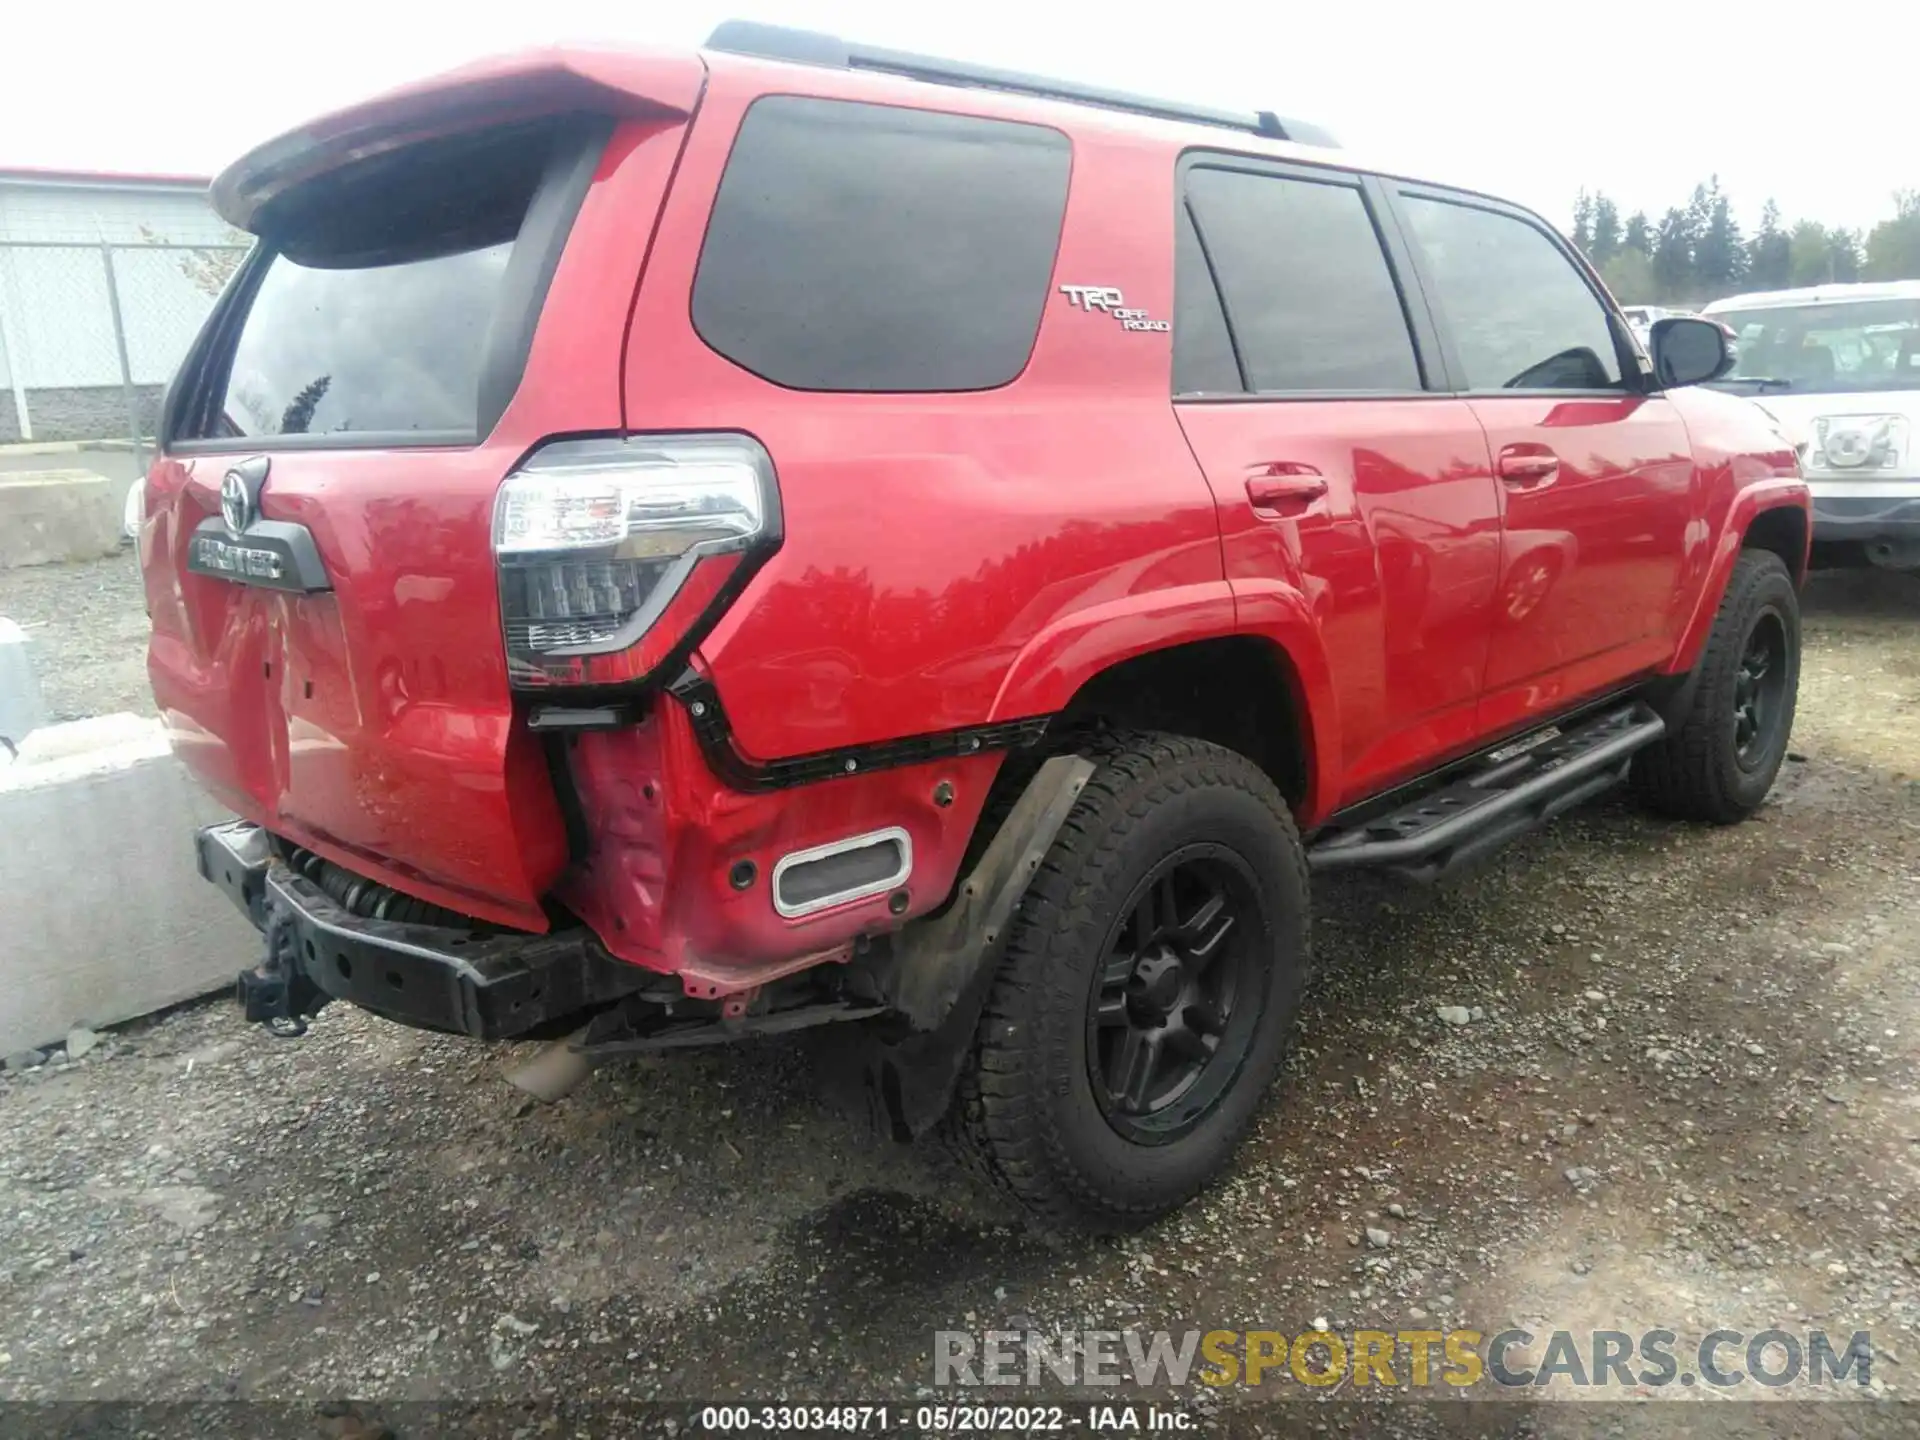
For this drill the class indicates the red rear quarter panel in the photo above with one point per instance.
(933, 539)
(949, 560)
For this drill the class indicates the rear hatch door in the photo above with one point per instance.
(442, 281)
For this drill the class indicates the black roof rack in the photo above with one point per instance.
(808, 47)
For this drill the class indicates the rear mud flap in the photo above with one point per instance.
(938, 973)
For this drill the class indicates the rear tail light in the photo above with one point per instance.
(618, 554)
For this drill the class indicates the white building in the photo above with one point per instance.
(61, 370)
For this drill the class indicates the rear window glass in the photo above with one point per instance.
(869, 247)
(372, 313)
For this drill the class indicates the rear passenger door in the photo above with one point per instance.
(1595, 476)
(1305, 379)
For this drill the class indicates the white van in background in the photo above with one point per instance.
(1838, 368)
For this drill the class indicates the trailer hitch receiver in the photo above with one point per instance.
(276, 992)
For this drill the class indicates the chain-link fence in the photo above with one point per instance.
(90, 334)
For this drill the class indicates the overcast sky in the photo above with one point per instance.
(1815, 105)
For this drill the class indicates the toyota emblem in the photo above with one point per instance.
(236, 503)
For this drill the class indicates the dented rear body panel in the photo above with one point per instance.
(372, 722)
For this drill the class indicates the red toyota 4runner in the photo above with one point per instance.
(662, 547)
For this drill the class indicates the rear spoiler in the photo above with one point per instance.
(636, 83)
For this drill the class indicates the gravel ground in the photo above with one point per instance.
(88, 627)
(1685, 1097)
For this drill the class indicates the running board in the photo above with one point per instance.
(1510, 791)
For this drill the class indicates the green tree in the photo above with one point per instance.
(1696, 251)
(1810, 254)
(1843, 264)
(1673, 256)
(1893, 246)
(1719, 257)
(298, 416)
(1700, 209)
(1639, 234)
(1606, 229)
(1583, 222)
(1769, 253)
(1629, 275)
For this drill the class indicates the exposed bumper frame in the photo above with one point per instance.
(489, 985)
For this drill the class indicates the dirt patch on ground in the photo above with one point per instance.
(1688, 1101)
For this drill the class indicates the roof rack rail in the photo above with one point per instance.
(809, 47)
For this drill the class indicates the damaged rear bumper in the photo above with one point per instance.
(488, 984)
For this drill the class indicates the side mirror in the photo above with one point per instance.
(1688, 351)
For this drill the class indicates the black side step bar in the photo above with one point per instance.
(1515, 788)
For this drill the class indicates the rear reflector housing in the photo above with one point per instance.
(846, 870)
(616, 555)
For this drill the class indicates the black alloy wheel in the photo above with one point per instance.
(1162, 1042)
(1759, 687)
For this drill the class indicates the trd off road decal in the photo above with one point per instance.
(1109, 300)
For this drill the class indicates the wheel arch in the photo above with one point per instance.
(1241, 692)
(1242, 667)
(1784, 530)
(1773, 516)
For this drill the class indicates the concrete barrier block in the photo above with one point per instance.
(103, 914)
(22, 710)
(53, 515)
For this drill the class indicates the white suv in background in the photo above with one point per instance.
(1640, 318)
(1838, 368)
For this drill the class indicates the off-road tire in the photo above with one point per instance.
(1696, 772)
(1025, 1107)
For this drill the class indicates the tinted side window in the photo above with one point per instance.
(1308, 295)
(1203, 360)
(868, 247)
(1521, 316)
